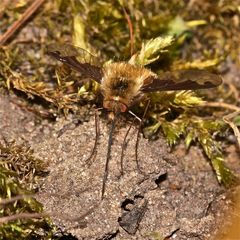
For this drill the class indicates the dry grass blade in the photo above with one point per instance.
(232, 125)
(7, 219)
(13, 199)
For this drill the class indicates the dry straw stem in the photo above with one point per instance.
(7, 219)
(227, 118)
(131, 33)
(13, 199)
(235, 129)
(220, 105)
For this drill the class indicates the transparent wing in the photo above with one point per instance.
(181, 80)
(77, 58)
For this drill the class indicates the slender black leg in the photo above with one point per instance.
(90, 159)
(110, 141)
(138, 137)
(124, 145)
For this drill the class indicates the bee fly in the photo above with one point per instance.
(122, 84)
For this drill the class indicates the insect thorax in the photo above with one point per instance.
(123, 81)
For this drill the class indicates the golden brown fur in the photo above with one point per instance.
(123, 81)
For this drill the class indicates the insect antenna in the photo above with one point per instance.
(110, 141)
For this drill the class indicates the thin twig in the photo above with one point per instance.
(130, 30)
(235, 129)
(21, 216)
(220, 105)
(16, 25)
(13, 199)
(233, 91)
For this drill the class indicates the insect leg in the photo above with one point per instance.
(68, 126)
(138, 136)
(97, 134)
(110, 141)
(124, 144)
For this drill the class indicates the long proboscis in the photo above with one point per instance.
(110, 141)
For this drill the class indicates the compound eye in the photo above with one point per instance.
(114, 106)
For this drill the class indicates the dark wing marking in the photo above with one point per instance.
(181, 80)
(69, 55)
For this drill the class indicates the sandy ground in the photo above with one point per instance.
(176, 195)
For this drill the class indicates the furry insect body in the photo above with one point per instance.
(121, 83)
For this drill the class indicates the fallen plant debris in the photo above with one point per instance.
(28, 13)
